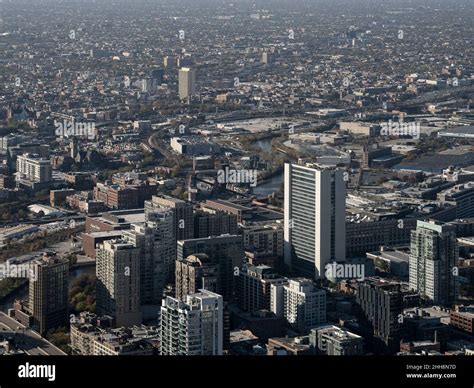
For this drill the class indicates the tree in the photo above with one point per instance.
(178, 192)
(72, 257)
(11, 123)
(82, 294)
(176, 171)
(60, 338)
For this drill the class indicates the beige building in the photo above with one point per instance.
(34, 168)
(118, 282)
(266, 239)
(93, 336)
(187, 81)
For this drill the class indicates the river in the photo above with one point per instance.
(273, 184)
(265, 144)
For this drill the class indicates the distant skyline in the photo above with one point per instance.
(238, 177)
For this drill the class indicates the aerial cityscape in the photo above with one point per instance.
(237, 177)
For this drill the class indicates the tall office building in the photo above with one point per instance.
(182, 213)
(187, 80)
(226, 251)
(254, 287)
(194, 327)
(152, 281)
(9, 140)
(34, 168)
(315, 218)
(48, 293)
(149, 85)
(266, 58)
(301, 304)
(158, 75)
(169, 62)
(433, 262)
(162, 222)
(193, 273)
(155, 240)
(380, 303)
(118, 282)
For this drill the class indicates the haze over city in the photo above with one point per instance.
(253, 178)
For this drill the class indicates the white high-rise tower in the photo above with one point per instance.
(315, 218)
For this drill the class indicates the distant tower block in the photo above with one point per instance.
(187, 80)
(266, 58)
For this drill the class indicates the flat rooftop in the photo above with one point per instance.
(125, 216)
(242, 335)
(461, 131)
(336, 332)
(436, 163)
(110, 233)
(396, 256)
(222, 202)
(17, 229)
(299, 344)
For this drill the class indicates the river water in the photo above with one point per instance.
(273, 184)
(264, 144)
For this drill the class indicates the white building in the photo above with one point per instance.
(194, 327)
(46, 210)
(301, 304)
(142, 125)
(34, 168)
(194, 145)
(335, 341)
(149, 85)
(315, 221)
